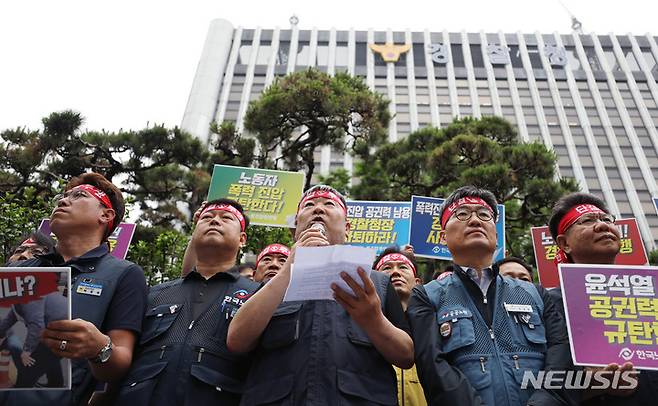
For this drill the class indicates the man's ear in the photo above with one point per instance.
(107, 215)
(419, 281)
(348, 227)
(562, 242)
(243, 239)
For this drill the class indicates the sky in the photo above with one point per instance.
(128, 64)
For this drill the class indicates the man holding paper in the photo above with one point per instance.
(323, 352)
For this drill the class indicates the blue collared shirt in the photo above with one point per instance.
(482, 281)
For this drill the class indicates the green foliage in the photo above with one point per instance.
(166, 171)
(338, 179)
(481, 152)
(21, 214)
(159, 253)
(653, 257)
(258, 237)
(157, 163)
(229, 147)
(309, 109)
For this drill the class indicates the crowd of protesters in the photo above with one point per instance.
(221, 334)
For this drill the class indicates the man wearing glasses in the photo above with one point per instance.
(584, 230)
(108, 295)
(476, 332)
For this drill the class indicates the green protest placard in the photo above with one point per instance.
(269, 197)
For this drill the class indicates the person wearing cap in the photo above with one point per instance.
(323, 352)
(585, 232)
(400, 266)
(108, 295)
(37, 243)
(475, 332)
(270, 261)
(182, 357)
(515, 268)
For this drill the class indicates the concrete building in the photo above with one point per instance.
(591, 98)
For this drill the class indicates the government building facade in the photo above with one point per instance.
(590, 98)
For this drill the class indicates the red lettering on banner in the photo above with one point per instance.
(24, 287)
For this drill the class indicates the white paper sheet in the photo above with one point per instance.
(316, 268)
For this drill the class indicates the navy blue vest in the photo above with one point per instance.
(184, 361)
(493, 359)
(313, 353)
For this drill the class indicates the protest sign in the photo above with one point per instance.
(268, 197)
(378, 224)
(631, 252)
(612, 314)
(29, 299)
(428, 238)
(119, 240)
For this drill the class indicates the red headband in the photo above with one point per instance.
(574, 214)
(273, 249)
(100, 196)
(395, 257)
(461, 202)
(228, 208)
(28, 241)
(567, 221)
(327, 194)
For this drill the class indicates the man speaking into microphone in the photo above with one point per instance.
(323, 352)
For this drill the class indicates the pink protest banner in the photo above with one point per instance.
(119, 240)
(612, 314)
(631, 252)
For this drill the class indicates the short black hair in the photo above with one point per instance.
(518, 261)
(471, 191)
(565, 203)
(394, 249)
(233, 203)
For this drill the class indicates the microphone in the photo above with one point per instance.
(320, 228)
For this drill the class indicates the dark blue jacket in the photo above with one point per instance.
(184, 361)
(313, 353)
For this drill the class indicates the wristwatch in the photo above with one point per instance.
(104, 354)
